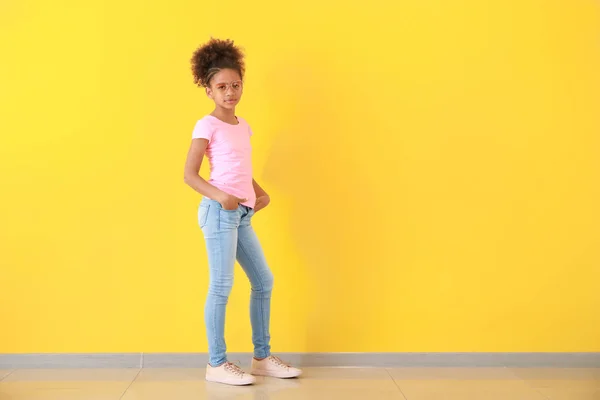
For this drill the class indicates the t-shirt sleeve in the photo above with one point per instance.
(202, 131)
(250, 131)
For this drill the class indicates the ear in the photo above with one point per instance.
(209, 93)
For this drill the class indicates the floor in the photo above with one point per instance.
(316, 384)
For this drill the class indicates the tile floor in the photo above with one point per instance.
(316, 384)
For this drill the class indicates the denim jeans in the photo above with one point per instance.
(230, 236)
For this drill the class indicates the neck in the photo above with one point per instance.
(225, 114)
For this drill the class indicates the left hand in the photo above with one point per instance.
(261, 202)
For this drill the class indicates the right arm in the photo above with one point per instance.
(192, 177)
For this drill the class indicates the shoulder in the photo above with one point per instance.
(206, 122)
(204, 128)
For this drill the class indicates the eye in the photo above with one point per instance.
(236, 86)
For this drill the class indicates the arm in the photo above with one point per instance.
(195, 181)
(262, 198)
(260, 192)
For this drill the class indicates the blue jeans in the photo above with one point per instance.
(229, 236)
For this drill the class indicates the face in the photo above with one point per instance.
(225, 88)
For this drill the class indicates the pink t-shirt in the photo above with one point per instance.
(229, 154)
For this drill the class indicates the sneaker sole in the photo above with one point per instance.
(257, 372)
(234, 383)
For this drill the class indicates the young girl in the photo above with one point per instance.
(231, 198)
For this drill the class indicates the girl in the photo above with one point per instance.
(231, 198)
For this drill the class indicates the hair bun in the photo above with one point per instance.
(213, 56)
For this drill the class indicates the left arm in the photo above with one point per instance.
(262, 198)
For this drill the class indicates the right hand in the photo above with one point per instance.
(230, 202)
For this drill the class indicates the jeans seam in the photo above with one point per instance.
(219, 220)
(214, 298)
(262, 289)
(262, 286)
(215, 311)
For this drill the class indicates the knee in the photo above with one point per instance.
(267, 281)
(221, 288)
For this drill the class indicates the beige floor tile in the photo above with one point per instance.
(262, 391)
(346, 378)
(52, 391)
(4, 373)
(329, 393)
(171, 374)
(166, 390)
(73, 375)
(567, 378)
(345, 373)
(66, 384)
(490, 383)
(470, 374)
(458, 380)
(315, 384)
(570, 394)
(198, 390)
(190, 384)
(441, 393)
(320, 383)
(439, 390)
(557, 373)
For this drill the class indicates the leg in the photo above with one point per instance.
(220, 232)
(251, 257)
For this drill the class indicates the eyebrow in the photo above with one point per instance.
(223, 83)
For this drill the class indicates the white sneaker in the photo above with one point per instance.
(229, 374)
(274, 367)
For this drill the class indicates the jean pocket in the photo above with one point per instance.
(229, 219)
(203, 215)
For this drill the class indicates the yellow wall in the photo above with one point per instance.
(434, 169)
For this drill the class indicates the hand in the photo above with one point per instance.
(261, 202)
(230, 202)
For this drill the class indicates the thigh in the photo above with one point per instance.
(219, 228)
(251, 257)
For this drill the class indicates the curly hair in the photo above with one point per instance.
(213, 56)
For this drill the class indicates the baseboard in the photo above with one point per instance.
(381, 360)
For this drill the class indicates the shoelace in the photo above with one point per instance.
(234, 369)
(279, 362)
